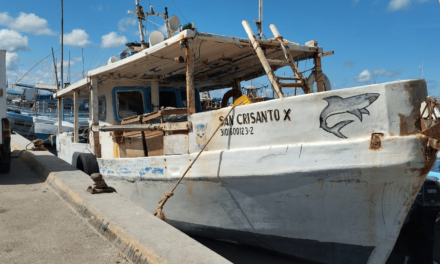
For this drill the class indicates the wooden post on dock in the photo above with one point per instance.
(94, 121)
(190, 89)
(75, 116)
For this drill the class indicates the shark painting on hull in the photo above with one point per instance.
(355, 105)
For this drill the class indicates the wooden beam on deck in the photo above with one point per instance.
(75, 116)
(190, 89)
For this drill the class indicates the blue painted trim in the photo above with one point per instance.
(19, 116)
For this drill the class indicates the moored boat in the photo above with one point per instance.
(327, 176)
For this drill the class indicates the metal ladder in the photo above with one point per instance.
(288, 61)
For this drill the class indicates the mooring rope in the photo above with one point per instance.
(159, 211)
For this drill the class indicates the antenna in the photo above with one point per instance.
(68, 70)
(141, 16)
(259, 22)
(82, 56)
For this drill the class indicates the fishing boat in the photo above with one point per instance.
(32, 114)
(326, 176)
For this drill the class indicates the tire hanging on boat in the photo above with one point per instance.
(228, 95)
(87, 163)
(312, 78)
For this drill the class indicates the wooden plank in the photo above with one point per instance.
(318, 72)
(270, 74)
(178, 111)
(93, 104)
(298, 84)
(75, 116)
(154, 143)
(129, 120)
(288, 78)
(190, 89)
(326, 53)
(171, 126)
(150, 116)
(278, 62)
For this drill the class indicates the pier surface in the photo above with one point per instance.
(37, 227)
(47, 216)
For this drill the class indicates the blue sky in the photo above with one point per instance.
(374, 41)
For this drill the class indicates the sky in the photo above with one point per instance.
(374, 41)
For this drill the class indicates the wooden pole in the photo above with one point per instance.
(93, 104)
(190, 89)
(318, 72)
(75, 116)
(269, 72)
(60, 115)
(236, 86)
(155, 94)
(62, 40)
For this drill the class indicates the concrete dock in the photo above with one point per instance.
(48, 217)
(37, 227)
(139, 236)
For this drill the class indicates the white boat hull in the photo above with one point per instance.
(293, 183)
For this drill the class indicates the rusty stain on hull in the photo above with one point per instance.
(376, 143)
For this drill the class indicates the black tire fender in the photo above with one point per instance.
(229, 94)
(87, 163)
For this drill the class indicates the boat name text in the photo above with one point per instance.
(255, 117)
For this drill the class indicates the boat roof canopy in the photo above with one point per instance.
(218, 61)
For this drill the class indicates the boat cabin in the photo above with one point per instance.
(143, 105)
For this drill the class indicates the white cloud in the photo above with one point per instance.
(66, 64)
(11, 40)
(12, 61)
(364, 76)
(398, 4)
(112, 40)
(387, 73)
(96, 8)
(334, 85)
(395, 5)
(349, 64)
(77, 59)
(124, 23)
(78, 37)
(26, 23)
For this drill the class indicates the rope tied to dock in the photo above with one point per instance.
(159, 211)
(99, 185)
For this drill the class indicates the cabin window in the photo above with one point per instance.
(167, 99)
(183, 96)
(101, 108)
(129, 103)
